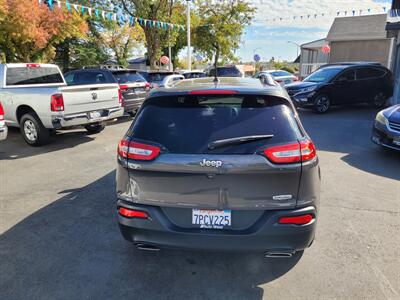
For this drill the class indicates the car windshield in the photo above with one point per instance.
(323, 75)
(128, 77)
(189, 124)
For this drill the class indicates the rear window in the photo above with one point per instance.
(280, 73)
(155, 77)
(128, 77)
(88, 77)
(369, 73)
(187, 124)
(226, 72)
(36, 75)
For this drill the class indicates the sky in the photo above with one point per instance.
(269, 38)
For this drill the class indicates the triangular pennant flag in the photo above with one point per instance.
(90, 11)
(384, 9)
(154, 23)
(68, 6)
(83, 10)
(103, 14)
(369, 10)
(40, 1)
(354, 12)
(337, 13)
(76, 7)
(131, 20)
(97, 13)
(59, 4)
(50, 2)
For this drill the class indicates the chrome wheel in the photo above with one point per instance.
(322, 104)
(30, 131)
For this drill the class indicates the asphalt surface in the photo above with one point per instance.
(60, 240)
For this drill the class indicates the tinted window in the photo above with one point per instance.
(155, 77)
(369, 73)
(187, 124)
(226, 72)
(280, 73)
(37, 75)
(128, 77)
(92, 77)
(323, 75)
(194, 75)
(349, 75)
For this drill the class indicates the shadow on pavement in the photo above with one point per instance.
(348, 130)
(72, 249)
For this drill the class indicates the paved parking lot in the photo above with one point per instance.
(60, 240)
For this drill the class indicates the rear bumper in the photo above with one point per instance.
(81, 119)
(3, 133)
(383, 136)
(133, 104)
(265, 235)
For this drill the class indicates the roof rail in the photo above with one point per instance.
(109, 67)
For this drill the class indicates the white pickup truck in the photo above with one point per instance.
(36, 99)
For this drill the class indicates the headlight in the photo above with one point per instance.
(306, 90)
(380, 117)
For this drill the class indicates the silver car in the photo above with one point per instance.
(281, 76)
(3, 126)
(220, 166)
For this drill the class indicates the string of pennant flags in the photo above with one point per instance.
(342, 13)
(110, 15)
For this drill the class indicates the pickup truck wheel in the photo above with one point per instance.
(33, 131)
(95, 128)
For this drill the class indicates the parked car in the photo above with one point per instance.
(36, 99)
(343, 84)
(170, 79)
(280, 76)
(3, 126)
(226, 71)
(133, 86)
(155, 78)
(221, 166)
(193, 74)
(386, 130)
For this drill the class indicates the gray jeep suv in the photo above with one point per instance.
(218, 166)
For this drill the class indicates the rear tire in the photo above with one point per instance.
(33, 131)
(95, 128)
(379, 100)
(321, 104)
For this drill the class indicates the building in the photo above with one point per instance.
(360, 38)
(393, 31)
(139, 63)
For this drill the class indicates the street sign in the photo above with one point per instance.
(257, 57)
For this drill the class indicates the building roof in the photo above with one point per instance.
(138, 60)
(314, 44)
(370, 27)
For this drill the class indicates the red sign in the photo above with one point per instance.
(164, 60)
(326, 49)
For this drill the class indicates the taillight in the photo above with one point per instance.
(296, 220)
(32, 65)
(291, 153)
(137, 151)
(2, 122)
(147, 86)
(132, 213)
(120, 96)
(57, 102)
(123, 87)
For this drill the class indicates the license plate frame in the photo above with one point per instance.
(211, 218)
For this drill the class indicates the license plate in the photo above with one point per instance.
(95, 115)
(215, 219)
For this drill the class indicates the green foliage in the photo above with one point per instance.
(222, 27)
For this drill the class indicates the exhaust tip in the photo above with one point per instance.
(280, 254)
(147, 247)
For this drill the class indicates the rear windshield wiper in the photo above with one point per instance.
(237, 140)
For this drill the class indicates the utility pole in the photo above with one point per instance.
(189, 57)
(169, 37)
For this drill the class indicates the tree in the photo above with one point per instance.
(223, 24)
(162, 10)
(29, 31)
(121, 40)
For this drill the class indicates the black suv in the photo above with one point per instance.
(221, 166)
(134, 88)
(341, 84)
(226, 71)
